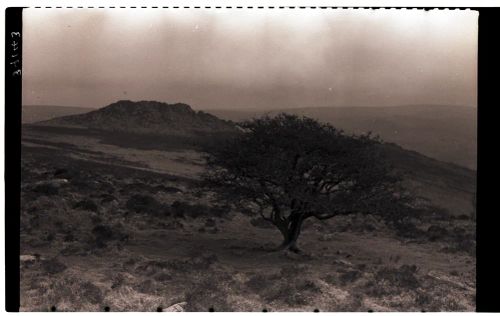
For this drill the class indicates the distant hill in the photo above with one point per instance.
(447, 133)
(145, 117)
(446, 185)
(37, 113)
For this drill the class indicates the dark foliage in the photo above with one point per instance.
(289, 169)
(91, 292)
(349, 276)
(86, 204)
(435, 232)
(291, 286)
(46, 189)
(182, 209)
(141, 203)
(53, 266)
(103, 234)
(402, 277)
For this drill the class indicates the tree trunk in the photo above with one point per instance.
(291, 234)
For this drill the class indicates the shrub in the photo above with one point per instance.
(107, 198)
(209, 290)
(147, 286)
(46, 189)
(105, 233)
(91, 293)
(140, 203)
(260, 281)
(86, 204)
(435, 233)
(403, 277)
(349, 276)
(407, 229)
(210, 223)
(182, 209)
(62, 173)
(53, 266)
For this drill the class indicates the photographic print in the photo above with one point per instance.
(248, 160)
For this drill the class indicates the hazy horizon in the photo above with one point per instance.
(250, 59)
(263, 109)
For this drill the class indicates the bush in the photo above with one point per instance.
(86, 204)
(140, 203)
(91, 293)
(210, 223)
(64, 174)
(435, 233)
(104, 234)
(289, 286)
(349, 276)
(463, 217)
(71, 293)
(107, 198)
(53, 266)
(292, 291)
(147, 286)
(209, 289)
(467, 246)
(182, 209)
(260, 281)
(46, 189)
(407, 229)
(403, 277)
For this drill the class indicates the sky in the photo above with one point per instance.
(249, 59)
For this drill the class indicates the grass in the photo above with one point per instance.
(128, 239)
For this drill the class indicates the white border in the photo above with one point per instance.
(254, 3)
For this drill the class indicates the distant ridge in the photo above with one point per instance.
(37, 113)
(146, 117)
(445, 132)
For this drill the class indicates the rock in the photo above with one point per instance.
(343, 262)
(27, 258)
(326, 237)
(178, 307)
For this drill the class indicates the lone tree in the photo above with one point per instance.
(288, 169)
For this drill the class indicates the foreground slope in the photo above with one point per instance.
(118, 221)
(99, 233)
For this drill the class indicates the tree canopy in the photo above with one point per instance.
(289, 168)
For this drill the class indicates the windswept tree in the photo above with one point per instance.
(289, 169)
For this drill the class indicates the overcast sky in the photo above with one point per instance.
(237, 59)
